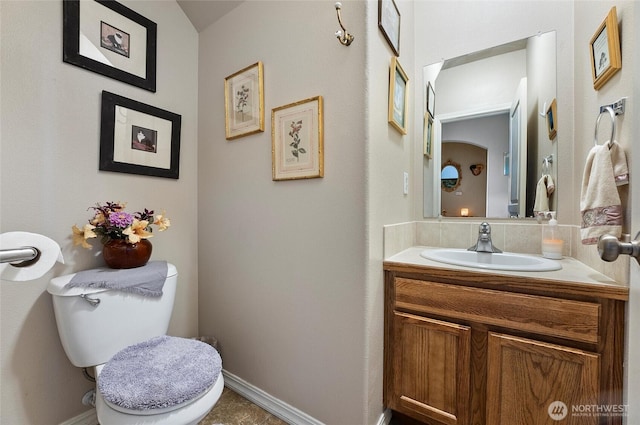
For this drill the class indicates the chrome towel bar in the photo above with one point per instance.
(612, 114)
(613, 109)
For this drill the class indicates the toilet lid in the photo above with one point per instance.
(159, 375)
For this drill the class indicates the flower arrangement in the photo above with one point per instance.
(111, 221)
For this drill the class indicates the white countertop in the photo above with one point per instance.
(572, 269)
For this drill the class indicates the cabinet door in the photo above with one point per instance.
(431, 369)
(531, 382)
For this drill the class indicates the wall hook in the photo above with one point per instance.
(543, 113)
(343, 35)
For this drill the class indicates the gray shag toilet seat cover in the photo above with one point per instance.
(159, 373)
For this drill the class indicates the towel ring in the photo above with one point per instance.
(612, 114)
(546, 164)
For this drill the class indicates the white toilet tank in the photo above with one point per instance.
(92, 334)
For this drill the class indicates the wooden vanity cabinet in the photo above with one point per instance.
(470, 348)
(525, 376)
(431, 368)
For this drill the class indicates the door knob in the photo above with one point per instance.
(609, 248)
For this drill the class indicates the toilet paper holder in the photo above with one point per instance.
(20, 257)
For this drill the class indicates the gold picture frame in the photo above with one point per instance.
(297, 140)
(398, 91)
(450, 176)
(427, 137)
(604, 50)
(552, 120)
(244, 102)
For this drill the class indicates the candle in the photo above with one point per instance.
(552, 248)
(464, 212)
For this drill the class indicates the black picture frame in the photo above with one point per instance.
(431, 100)
(389, 23)
(136, 67)
(119, 149)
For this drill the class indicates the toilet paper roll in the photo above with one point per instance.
(49, 253)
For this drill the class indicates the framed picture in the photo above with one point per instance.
(431, 100)
(110, 39)
(552, 119)
(604, 49)
(398, 82)
(389, 23)
(244, 102)
(506, 162)
(297, 139)
(427, 137)
(137, 138)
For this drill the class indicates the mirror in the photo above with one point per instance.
(495, 99)
(450, 176)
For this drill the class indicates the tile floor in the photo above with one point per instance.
(233, 409)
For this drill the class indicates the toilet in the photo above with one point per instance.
(142, 375)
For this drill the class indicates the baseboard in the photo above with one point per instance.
(276, 407)
(87, 418)
(385, 417)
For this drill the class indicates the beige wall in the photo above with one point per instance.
(282, 264)
(472, 190)
(587, 100)
(491, 133)
(389, 155)
(50, 128)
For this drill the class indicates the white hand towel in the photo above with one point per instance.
(544, 188)
(619, 161)
(600, 204)
(551, 186)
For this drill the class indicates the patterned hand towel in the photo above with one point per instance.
(619, 161)
(544, 189)
(147, 280)
(600, 204)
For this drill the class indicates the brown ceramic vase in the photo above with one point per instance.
(119, 254)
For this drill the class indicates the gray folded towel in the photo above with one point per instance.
(147, 280)
(160, 373)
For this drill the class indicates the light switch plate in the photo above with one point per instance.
(406, 183)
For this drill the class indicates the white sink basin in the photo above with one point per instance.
(492, 261)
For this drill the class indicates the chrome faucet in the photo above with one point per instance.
(484, 243)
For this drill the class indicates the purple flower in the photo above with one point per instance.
(120, 219)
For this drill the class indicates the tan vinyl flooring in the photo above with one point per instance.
(233, 409)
